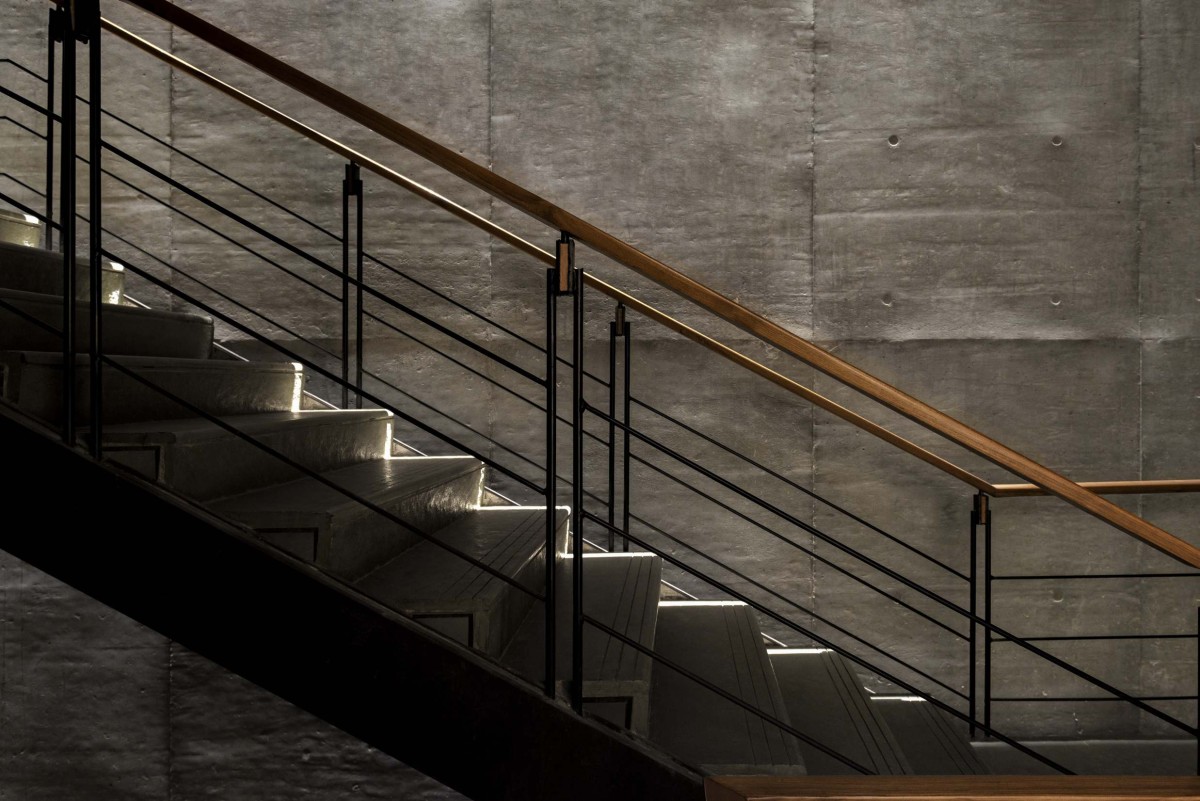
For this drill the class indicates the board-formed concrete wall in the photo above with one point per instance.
(991, 204)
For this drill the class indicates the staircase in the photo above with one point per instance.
(401, 597)
(330, 521)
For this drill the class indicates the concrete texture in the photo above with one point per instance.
(1041, 289)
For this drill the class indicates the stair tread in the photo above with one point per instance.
(160, 362)
(34, 320)
(34, 269)
(621, 591)
(721, 643)
(505, 538)
(378, 481)
(195, 429)
(930, 742)
(22, 298)
(826, 701)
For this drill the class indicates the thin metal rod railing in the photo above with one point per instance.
(794, 485)
(712, 301)
(806, 551)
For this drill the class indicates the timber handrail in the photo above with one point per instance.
(707, 298)
(1147, 487)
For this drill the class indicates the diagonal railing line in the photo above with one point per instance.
(802, 548)
(789, 482)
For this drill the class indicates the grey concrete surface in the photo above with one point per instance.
(1046, 293)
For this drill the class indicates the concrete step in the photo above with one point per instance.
(621, 591)
(826, 701)
(457, 598)
(32, 381)
(932, 742)
(721, 642)
(31, 269)
(315, 522)
(19, 228)
(128, 330)
(200, 460)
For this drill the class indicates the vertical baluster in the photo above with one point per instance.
(358, 293)
(577, 487)
(987, 619)
(95, 242)
(612, 429)
(346, 193)
(67, 229)
(54, 28)
(625, 391)
(972, 645)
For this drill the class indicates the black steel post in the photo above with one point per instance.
(67, 227)
(978, 511)
(54, 27)
(91, 26)
(987, 618)
(1198, 691)
(346, 286)
(625, 436)
(551, 626)
(577, 485)
(358, 293)
(612, 431)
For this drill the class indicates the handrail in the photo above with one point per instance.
(707, 298)
(1149, 487)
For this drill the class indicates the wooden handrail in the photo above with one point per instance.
(707, 298)
(1150, 487)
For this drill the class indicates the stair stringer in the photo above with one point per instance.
(313, 642)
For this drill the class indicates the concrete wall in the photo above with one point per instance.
(990, 203)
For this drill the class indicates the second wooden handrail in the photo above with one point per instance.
(707, 298)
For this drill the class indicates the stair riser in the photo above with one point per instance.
(125, 334)
(37, 390)
(226, 465)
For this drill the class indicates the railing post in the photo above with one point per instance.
(981, 516)
(567, 243)
(358, 294)
(88, 18)
(54, 34)
(351, 187)
(558, 282)
(67, 227)
(973, 660)
(1198, 691)
(617, 329)
(625, 390)
(986, 515)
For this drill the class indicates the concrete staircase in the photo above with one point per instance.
(315, 522)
